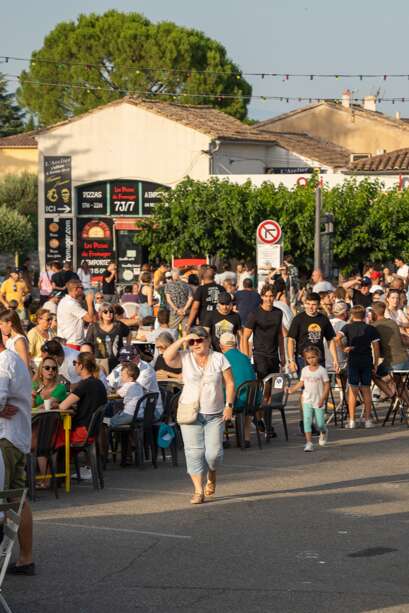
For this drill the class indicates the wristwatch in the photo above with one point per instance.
(228, 405)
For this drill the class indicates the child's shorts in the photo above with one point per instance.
(359, 375)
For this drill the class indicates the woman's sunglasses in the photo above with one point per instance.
(53, 368)
(107, 311)
(196, 341)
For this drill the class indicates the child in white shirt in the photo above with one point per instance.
(130, 391)
(314, 381)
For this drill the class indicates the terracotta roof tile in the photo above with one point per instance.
(393, 160)
(25, 139)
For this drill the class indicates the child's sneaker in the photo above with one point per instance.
(369, 423)
(351, 424)
(309, 447)
(323, 440)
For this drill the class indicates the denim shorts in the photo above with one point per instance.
(359, 375)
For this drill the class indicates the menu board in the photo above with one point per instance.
(124, 198)
(92, 199)
(57, 184)
(151, 195)
(95, 244)
(58, 239)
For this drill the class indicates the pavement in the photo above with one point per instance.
(287, 531)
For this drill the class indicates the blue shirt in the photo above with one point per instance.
(242, 370)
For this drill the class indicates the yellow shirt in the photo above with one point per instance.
(14, 290)
(36, 341)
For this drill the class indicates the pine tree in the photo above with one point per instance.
(11, 121)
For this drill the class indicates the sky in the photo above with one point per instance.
(307, 36)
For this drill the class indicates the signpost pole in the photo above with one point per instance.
(317, 232)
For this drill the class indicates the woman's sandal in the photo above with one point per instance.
(210, 487)
(197, 498)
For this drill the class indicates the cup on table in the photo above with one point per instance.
(47, 404)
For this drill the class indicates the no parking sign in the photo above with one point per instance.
(269, 248)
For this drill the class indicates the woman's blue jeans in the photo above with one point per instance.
(203, 441)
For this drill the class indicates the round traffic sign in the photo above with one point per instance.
(269, 232)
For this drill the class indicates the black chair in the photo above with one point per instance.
(48, 427)
(143, 430)
(170, 400)
(275, 389)
(250, 394)
(91, 448)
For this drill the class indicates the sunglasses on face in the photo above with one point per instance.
(108, 311)
(196, 341)
(99, 298)
(48, 368)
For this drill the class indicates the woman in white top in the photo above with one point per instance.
(204, 372)
(84, 275)
(14, 336)
(394, 311)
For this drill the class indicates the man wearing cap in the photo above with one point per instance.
(147, 376)
(242, 370)
(52, 302)
(179, 298)
(222, 320)
(361, 295)
(14, 288)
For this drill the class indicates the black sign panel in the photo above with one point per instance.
(129, 255)
(92, 199)
(95, 244)
(57, 184)
(58, 239)
(151, 196)
(125, 198)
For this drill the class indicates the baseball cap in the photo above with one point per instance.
(57, 292)
(366, 281)
(227, 338)
(224, 298)
(340, 307)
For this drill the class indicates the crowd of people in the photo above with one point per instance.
(68, 341)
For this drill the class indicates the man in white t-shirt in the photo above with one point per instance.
(402, 269)
(71, 316)
(15, 443)
(320, 284)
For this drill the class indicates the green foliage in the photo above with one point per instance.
(220, 218)
(11, 121)
(131, 54)
(18, 193)
(16, 231)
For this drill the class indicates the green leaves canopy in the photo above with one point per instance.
(11, 121)
(220, 218)
(131, 54)
(16, 232)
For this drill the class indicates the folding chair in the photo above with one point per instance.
(398, 402)
(48, 426)
(91, 447)
(12, 516)
(278, 394)
(249, 393)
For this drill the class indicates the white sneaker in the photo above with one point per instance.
(309, 447)
(351, 424)
(85, 473)
(323, 440)
(369, 423)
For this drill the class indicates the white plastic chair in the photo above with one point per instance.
(12, 516)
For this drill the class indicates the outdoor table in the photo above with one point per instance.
(398, 403)
(67, 419)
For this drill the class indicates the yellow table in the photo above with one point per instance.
(67, 419)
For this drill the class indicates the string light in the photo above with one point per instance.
(175, 95)
(238, 75)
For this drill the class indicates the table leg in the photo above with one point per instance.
(67, 430)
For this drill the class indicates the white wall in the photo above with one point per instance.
(330, 179)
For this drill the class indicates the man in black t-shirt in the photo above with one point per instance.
(205, 298)
(310, 328)
(58, 277)
(361, 294)
(108, 282)
(265, 323)
(247, 299)
(222, 320)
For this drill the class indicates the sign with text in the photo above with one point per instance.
(92, 199)
(57, 184)
(58, 239)
(151, 195)
(95, 244)
(124, 198)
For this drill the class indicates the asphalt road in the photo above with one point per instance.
(287, 531)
